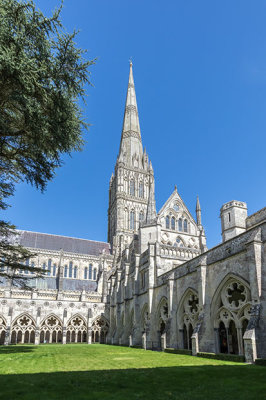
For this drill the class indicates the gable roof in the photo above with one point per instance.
(45, 241)
(175, 196)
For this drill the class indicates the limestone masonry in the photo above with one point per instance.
(154, 283)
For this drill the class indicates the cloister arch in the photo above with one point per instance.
(2, 329)
(76, 330)
(51, 329)
(187, 316)
(99, 327)
(230, 313)
(23, 329)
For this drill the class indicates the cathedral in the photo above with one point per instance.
(154, 284)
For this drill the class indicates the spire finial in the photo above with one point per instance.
(130, 61)
(175, 188)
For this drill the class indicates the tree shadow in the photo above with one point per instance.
(227, 382)
(16, 349)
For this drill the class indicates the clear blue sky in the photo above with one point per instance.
(200, 77)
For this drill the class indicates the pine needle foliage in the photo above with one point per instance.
(43, 75)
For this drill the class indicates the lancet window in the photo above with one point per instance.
(132, 187)
(180, 225)
(167, 222)
(132, 220)
(90, 271)
(173, 223)
(141, 189)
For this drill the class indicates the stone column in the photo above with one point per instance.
(7, 336)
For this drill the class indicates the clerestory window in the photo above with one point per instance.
(132, 188)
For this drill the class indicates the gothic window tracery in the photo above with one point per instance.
(180, 224)
(185, 225)
(162, 315)
(76, 330)
(132, 187)
(232, 315)
(141, 189)
(188, 317)
(2, 330)
(167, 222)
(100, 329)
(132, 220)
(173, 223)
(86, 273)
(51, 330)
(23, 330)
(90, 271)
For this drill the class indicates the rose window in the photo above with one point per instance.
(24, 321)
(51, 321)
(236, 294)
(193, 303)
(76, 322)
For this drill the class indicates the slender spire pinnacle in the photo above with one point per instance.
(198, 212)
(151, 207)
(130, 144)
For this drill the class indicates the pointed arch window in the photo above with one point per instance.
(90, 271)
(65, 271)
(32, 266)
(27, 263)
(132, 187)
(49, 269)
(94, 274)
(86, 273)
(141, 216)
(167, 222)
(173, 223)
(54, 270)
(75, 272)
(132, 220)
(70, 269)
(185, 226)
(180, 224)
(141, 190)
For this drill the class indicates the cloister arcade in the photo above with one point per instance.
(99, 328)
(231, 313)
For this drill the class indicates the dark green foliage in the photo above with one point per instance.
(178, 351)
(222, 356)
(42, 77)
(261, 361)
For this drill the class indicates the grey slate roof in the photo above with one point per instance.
(36, 240)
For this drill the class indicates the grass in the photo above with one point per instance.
(120, 373)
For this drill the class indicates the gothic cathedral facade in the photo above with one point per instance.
(154, 284)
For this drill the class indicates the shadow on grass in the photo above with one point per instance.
(226, 382)
(16, 349)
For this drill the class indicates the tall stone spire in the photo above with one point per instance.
(131, 150)
(198, 212)
(151, 207)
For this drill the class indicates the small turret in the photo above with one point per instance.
(198, 212)
(233, 218)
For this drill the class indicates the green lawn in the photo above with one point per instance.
(121, 373)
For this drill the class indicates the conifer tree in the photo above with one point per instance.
(43, 75)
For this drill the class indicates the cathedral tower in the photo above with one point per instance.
(130, 184)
